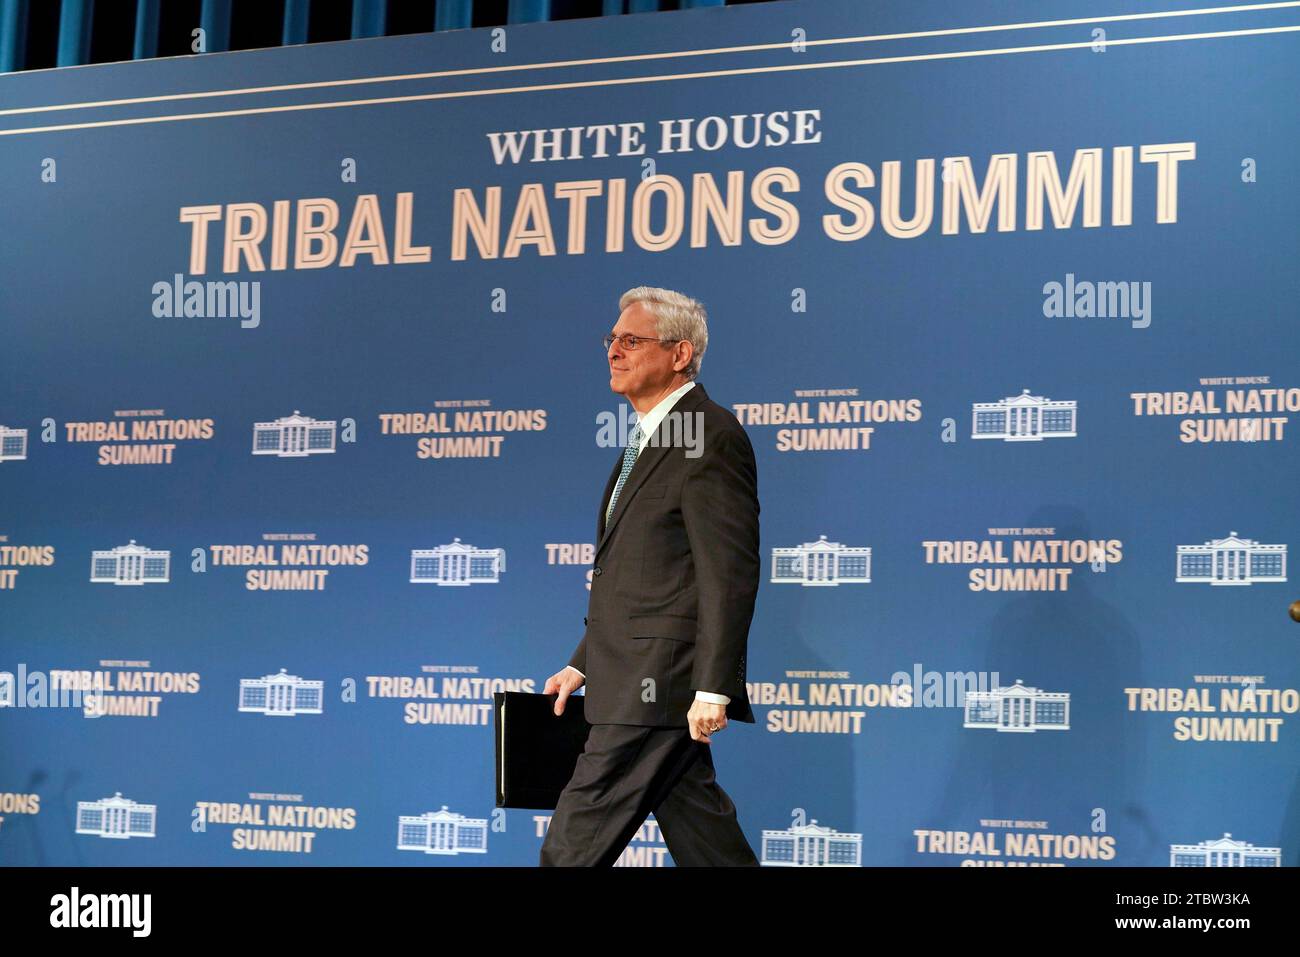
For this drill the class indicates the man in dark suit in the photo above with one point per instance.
(672, 595)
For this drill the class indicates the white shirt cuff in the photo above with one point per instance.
(712, 697)
(575, 669)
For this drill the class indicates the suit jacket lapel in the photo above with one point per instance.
(646, 462)
(609, 490)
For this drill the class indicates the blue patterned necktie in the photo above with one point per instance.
(629, 460)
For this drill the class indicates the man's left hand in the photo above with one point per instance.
(705, 718)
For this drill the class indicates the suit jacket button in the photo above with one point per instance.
(596, 570)
(584, 621)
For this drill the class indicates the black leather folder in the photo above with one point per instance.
(536, 750)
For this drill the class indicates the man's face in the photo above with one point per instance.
(646, 370)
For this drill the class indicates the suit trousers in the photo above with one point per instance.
(627, 772)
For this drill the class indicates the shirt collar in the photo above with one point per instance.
(650, 421)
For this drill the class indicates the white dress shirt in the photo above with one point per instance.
(649, 423)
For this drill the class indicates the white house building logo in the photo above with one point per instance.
(821, 563)
(811, 845)
(1224, 852)
(116, 817)
(1231, 561)
(1024, 418)
(1018, 708)
(294, 435)
(281, 694)
(131, 564)
(13, 444)
(457, 564)
(442, 832)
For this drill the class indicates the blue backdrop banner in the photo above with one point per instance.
(304, 424)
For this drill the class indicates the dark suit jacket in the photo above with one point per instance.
(675, 575)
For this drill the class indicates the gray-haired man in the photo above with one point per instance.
(672, 596)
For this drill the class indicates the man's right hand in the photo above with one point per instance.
(564, 682)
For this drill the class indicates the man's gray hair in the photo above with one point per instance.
(676, 317)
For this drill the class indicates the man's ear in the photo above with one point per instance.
(682, 353)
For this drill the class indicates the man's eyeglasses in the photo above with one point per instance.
(632, 342)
